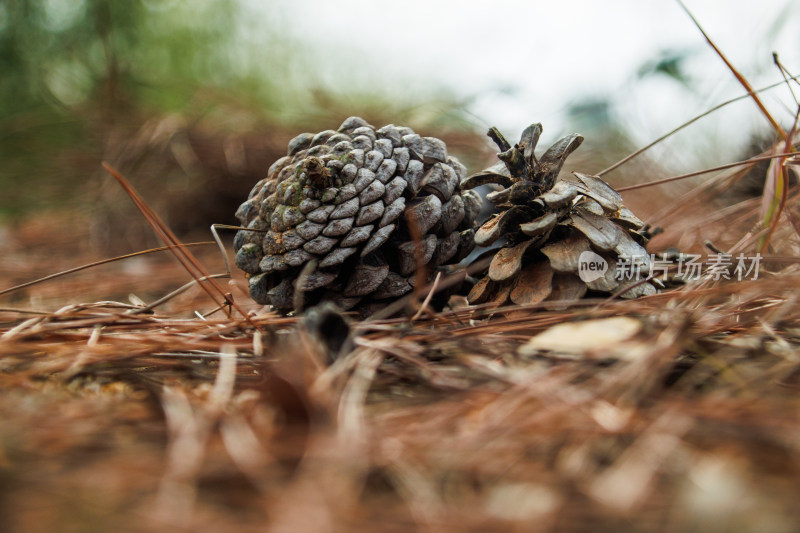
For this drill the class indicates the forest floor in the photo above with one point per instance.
(673, 412)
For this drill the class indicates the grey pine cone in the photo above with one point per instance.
(338, 208)
(545, 224)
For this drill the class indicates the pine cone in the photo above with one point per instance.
(547, 225)
(350, 201)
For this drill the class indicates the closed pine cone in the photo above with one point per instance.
(343, 208)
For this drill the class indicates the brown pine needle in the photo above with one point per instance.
(185, 257)
(428, 298)
(689, 122)
(94, 264)
(774, 189)
(704, 171)
(773, 204)
(746, 84)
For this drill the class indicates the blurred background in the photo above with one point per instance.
(193, 99)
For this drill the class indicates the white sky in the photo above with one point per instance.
(520, 62)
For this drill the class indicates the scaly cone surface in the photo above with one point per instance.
(337, 217)
(548, 228)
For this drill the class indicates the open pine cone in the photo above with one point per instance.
(550, 228)
(342, 208)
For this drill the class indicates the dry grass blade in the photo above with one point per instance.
(776, 190)
(776, 187)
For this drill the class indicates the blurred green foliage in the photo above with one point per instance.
(669, 63)
(65, 53)
(77, 73)
(73, 69)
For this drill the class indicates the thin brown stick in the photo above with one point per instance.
(176, 292)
